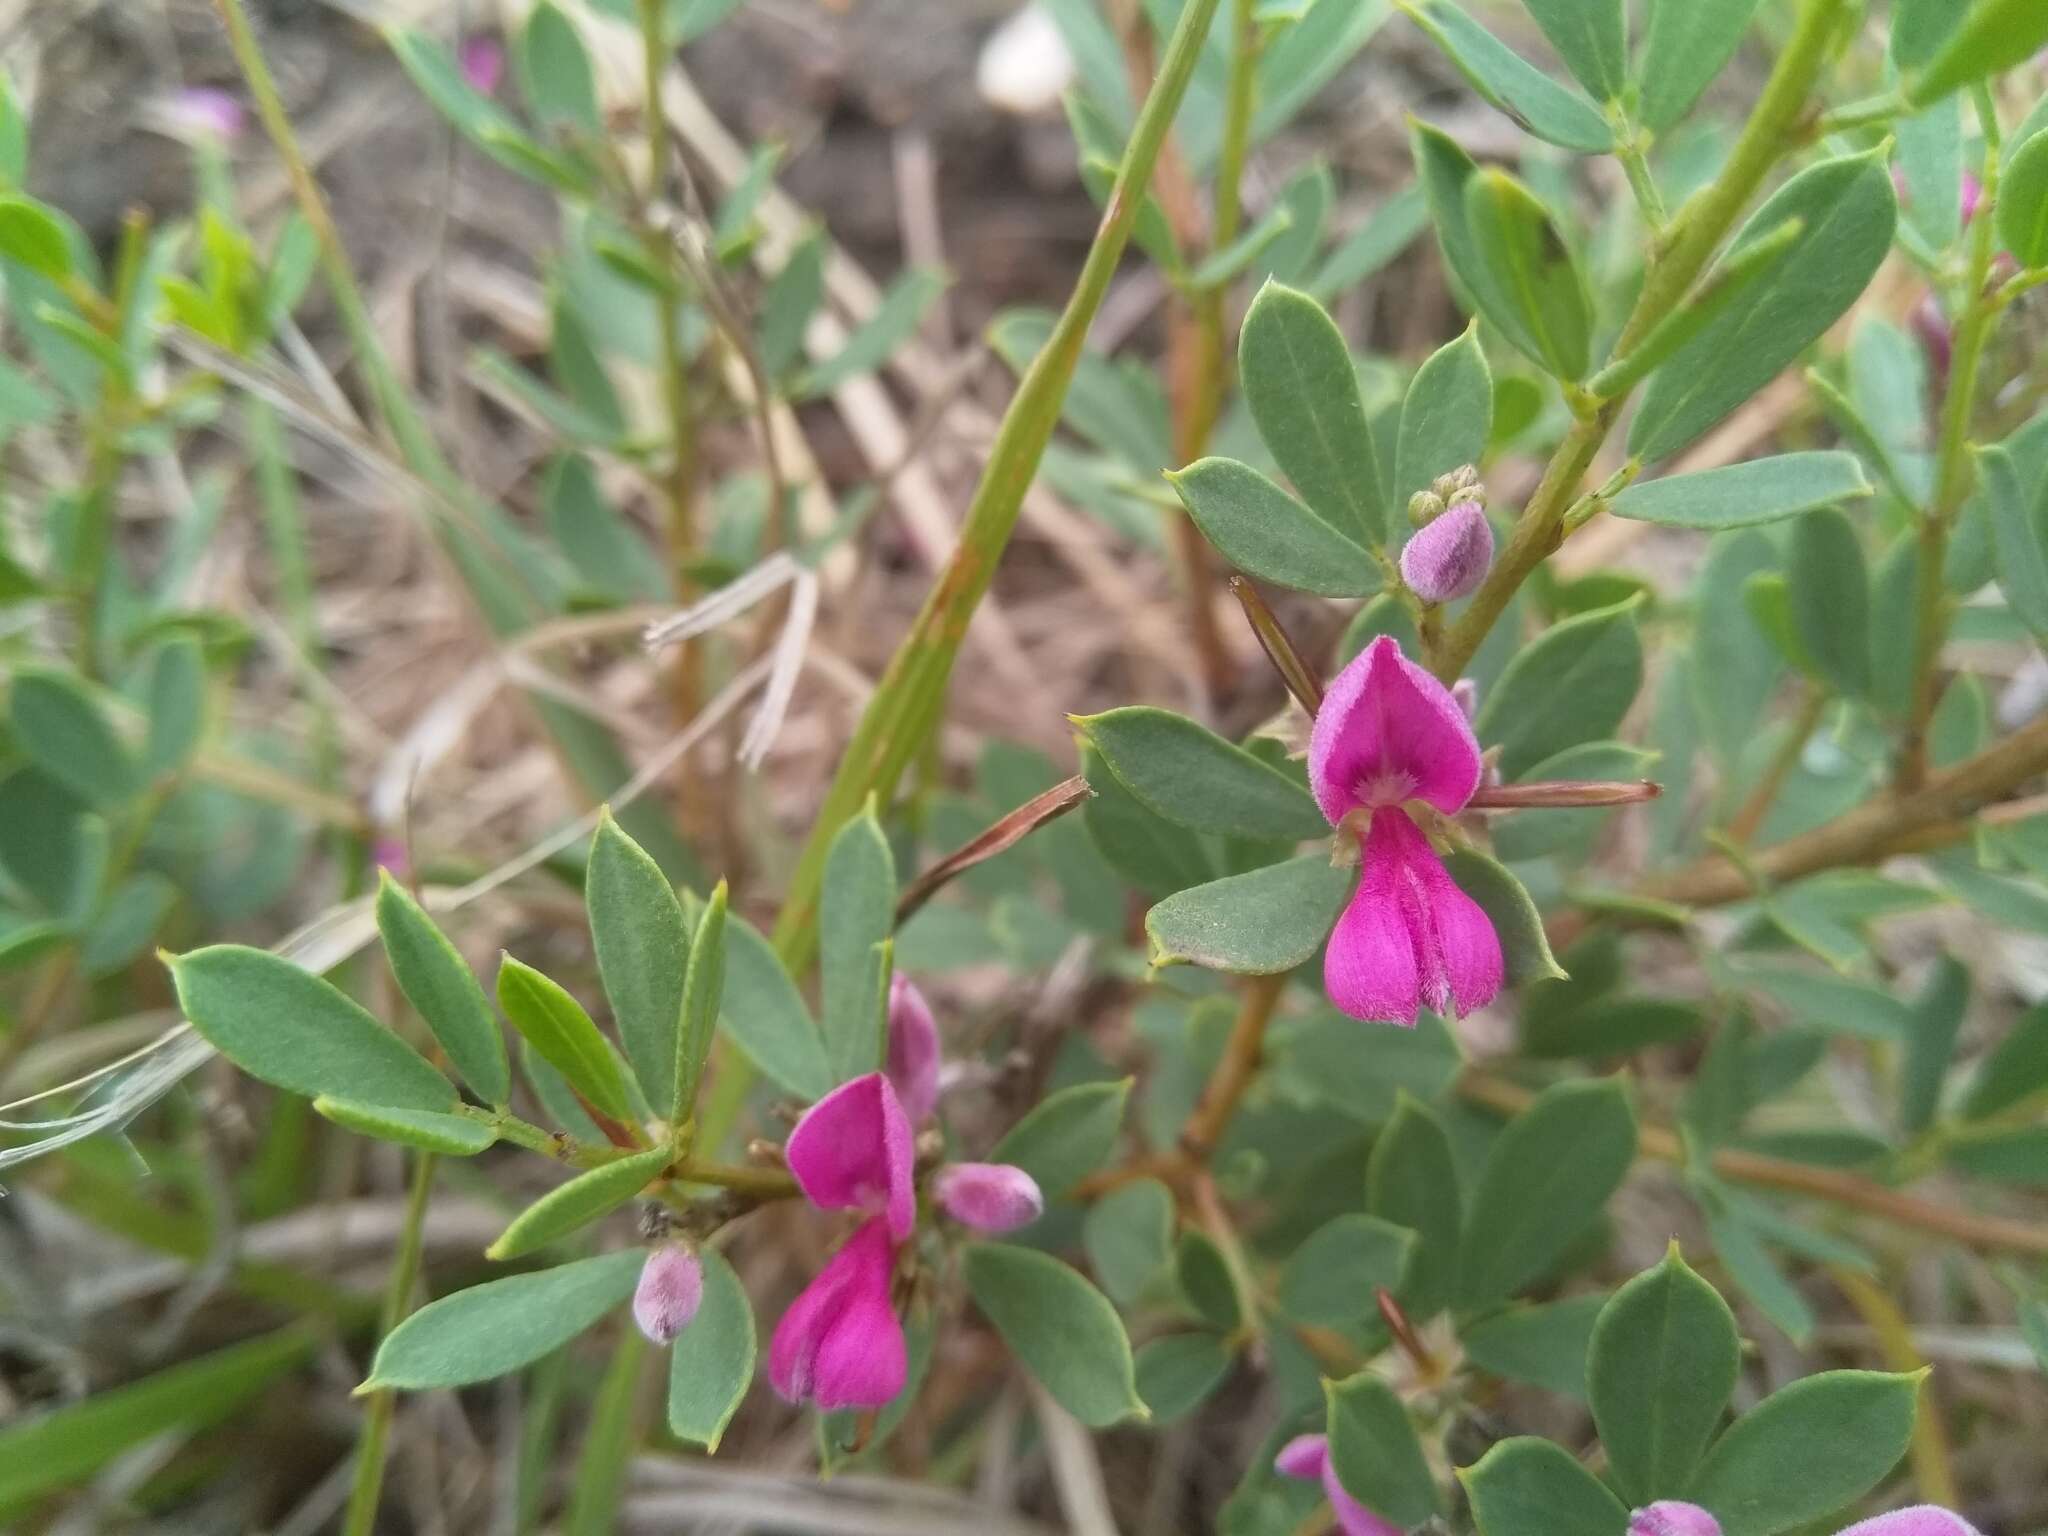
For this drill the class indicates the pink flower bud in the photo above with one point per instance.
(671, 1285)
(389, 853)
(207, 112)
(1921, 1520)
(1307, 1457)
(914, 1052)
(1449, 557)
(1466, 693)
(1670, 1517)
(482, 61)
(989, 1197)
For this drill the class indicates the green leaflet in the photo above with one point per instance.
(441, 987)
(1060, 1327)
(1188, 774)
(1255, 924)
(1265, 532)
(1735, 495)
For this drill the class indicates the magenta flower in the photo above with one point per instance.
(671, 1288)
(207, 112)
(851, 1152)
(840, 1345)
(1307, 1457)
(914, 1052)
(482, 61)
(1447, 557)
(989, 1197)
(1389, 733)
(1670, 1517)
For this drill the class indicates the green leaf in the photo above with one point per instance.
(1535, 271)
(1530, 1487)
(1937, 1015)
(1524, 947)
(61, 1447)
(1734, 666)
(1060, 1327)
(1221, 265)
(2016, 1069)
(450, 1135)
(1330, 1279)
(1292, 69)
(554, 71)
(555, 1025)
(1546, 1176)
(1203, 1275)
(475, 116)
(1610, 1027)
(643, 954)
(712, 1362)
(295, 1031)
(1591, 36)
(59, 727)
(2019, 534)
(859, 911)
(1930, 166)
(764, 1014)
(13, 135)
(1544, 1345)
(443, 990)
(497, 1327)
(1809, 1449)
(703, 994)
(2023, 203)
(1265, 532)
(1176, 1374)
(1190, 775)
(1689, 43)
(895, 317)
(1388, 231)
(1573, 683)
(1848, 213)
(125, 923)
(45, 842)
(2017, 1156)
(1375, 1453)
(1256, 924)
(1306, 196)
(1830, 591)
(1411, 1181)
(35, 236)
(1445, 416)
(1302, 388)
(1995, 36)
(567, 1207)
(1735, 495)
(1067, 1136)
(1536, 102)
(1128, 1235)
(607, 552)
(1662, 1364)
(174, 687)
(1535, 833)
(787, 304)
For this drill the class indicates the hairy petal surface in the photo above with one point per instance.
(1388, 732)
(1410, 937)
(989, 1197)
(852, 1152)
(840, 1344)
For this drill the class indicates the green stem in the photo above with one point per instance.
(284, 523)
(1952, 477)
(375, 1446)
(907, 703)
(609, 1442)
(1684, 248)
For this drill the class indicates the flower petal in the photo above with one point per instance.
(914, 1051)
(1672, 1517)
(1388, 731)
(852, 1151)
(1920, 1520)
(989, 1197)
(1303, 1457)
(1410, 937)
(840, 1344)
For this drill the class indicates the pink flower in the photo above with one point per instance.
(1388, 733)
(207, 112)
(1920, 1520)
(1307, 1457)
(989, 1197)
(839, 1345)
(1670, 1517)
(1971, 195)
(482, 61)
(670, 1289)
(914, 1052)
(1448, 555)
(851, 1152)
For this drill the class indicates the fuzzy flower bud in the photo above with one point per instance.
(1449, 558)
(1671, 1517)
(482, 61)
(671, 1286)
(1460, 484)
(1465, 693)
(1424, 508)
(989, 1197)
(205, 112)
